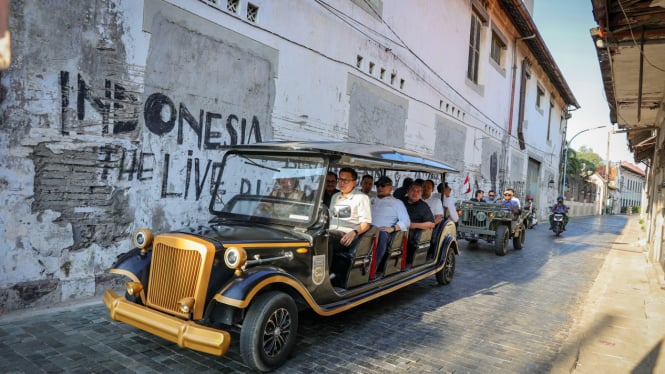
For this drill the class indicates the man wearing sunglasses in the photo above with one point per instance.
(388, 214)
(509, 203)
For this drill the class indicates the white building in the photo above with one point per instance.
(632, 180)
(114, 111)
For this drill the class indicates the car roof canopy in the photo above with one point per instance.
(357, 154)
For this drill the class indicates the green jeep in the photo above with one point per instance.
(492, 223)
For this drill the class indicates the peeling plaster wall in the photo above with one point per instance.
(113, 112)
(95, 145)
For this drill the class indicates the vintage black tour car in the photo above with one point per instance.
(265, 256)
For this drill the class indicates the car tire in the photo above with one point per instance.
(445, 275)
(501, 240)
(269, 331)
(518, 241)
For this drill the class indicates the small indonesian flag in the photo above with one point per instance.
(467, 185)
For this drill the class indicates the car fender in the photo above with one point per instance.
(449, 234)
(240, 291)
(447, 241)
(131, 264)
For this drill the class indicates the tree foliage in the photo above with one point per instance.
(583, 162)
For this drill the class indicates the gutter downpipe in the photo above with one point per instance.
(512, 86)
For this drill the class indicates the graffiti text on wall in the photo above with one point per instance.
(117, 110)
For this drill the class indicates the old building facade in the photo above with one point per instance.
(114, 112)
(633, 75)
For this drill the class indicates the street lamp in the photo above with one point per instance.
(565, 158)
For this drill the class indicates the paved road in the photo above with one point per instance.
(507, 314)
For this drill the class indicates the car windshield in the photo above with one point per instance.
(271, 187)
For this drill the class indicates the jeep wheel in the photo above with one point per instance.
(269, 331)
(518, 241)
(445, 275)
(501, 240)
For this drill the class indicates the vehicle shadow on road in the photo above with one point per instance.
(427, 315)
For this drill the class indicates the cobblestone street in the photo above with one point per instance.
(508, 314)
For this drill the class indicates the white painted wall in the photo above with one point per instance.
(179, 77)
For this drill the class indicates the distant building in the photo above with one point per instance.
(632, 180)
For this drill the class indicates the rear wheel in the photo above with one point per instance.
(269, 331)
(501, 240)
(445, 275)
(518, 241)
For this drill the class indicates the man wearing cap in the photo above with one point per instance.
(388, 214)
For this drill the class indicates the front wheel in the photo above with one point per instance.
(269, 331)
(445, 275)
(501, 240)
(518, 241)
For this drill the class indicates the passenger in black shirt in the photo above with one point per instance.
(419, 212)
(330, 187)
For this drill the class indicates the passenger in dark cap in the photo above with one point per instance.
(388, 215)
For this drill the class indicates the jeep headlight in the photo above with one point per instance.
(235, 258)
(490, 215)
(142, 239)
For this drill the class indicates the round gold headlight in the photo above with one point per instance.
(142, 238)
(235, 258)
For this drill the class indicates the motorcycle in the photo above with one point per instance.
(557, 223)
(530, 220)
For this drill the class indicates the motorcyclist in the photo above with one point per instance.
(559, 207)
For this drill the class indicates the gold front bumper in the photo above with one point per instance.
(186, 334)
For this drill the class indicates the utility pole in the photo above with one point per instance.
(607, 170)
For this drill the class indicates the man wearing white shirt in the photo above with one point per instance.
(345, 231)
(449, 204)
(435, 204)
(388, 214)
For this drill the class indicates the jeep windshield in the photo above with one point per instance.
(270, 187)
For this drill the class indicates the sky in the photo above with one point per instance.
(564, 26)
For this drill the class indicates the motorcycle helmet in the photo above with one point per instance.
(560, 198)
(529, 197)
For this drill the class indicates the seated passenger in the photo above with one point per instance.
(330, 187)
(449, 204)
(345, 231)
(435, 204)
(287, 189)
(509, 203)
(419, 212)
(491, 196)
(400, 193)
(480, 197)
(515, 199)
(366, 183)
(388, 214)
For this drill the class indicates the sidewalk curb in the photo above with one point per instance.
(19, 315)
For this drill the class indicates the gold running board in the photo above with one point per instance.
(186, 334)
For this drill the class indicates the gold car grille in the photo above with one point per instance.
(180, 268)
